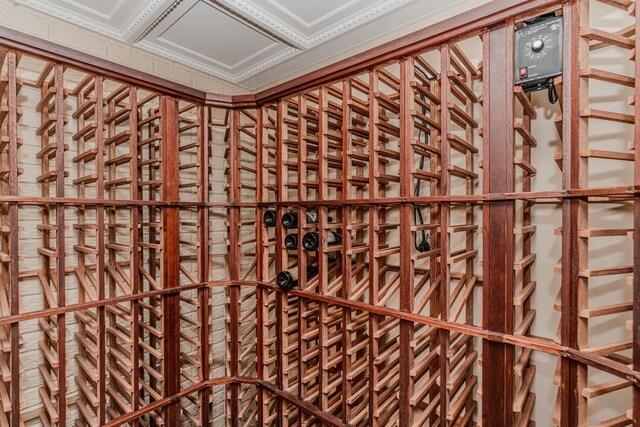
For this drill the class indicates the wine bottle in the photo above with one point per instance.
(311, 240)
(424, 246)
(269, 218)
(288, 279)
(291, 242)
(290, 219)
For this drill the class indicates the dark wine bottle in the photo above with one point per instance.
(311, 240)
(424, 246)
(269, 218)
(291, 242)
(290, 219)
(288, 279)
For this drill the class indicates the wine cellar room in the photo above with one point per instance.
(341, 213)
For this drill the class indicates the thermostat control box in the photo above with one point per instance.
(538, 52)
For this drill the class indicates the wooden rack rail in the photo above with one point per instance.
(138, 280)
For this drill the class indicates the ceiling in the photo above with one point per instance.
(252, 43)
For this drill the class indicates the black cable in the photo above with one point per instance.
(551, 92)
(424, 245)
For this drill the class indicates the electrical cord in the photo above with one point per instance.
(424, 244)
(551, 92)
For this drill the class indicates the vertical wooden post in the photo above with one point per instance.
(281, 299)
(570, 395)
(234, 297)
(406, 266)
(14, 285)
(135, 234)
(374, 271)
(100, 221)
(322, 195)
(445, 209)
(346, 259)
(170, 257)
(636, 239)
(203, 267)
(261, 237)
(60, 246)
(498, 245)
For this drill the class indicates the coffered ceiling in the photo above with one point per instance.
(253, 43)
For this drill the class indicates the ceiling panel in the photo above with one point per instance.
(220, 37)
(311, 13)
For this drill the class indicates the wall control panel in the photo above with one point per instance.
(538, 52)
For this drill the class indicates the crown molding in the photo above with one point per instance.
(167, 11)
(285, 30)
(267, 20)
(139, 27)
(47, 8)
(142, 16)
(67, 15)
(183, 60)
(354, 22)
(310, 25)
(267, 63)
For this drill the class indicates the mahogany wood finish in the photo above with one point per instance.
(428, 126)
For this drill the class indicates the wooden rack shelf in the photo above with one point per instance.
(138, 280)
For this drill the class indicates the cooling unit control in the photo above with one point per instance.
(538, 52)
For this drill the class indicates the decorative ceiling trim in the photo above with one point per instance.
(141, 17)
(268, 20)
(94, 12)
(66, 15)
(220, 7)
(368, 15)
(181, 59)
(260, 15)
(215, 72)
(243, 75)
(140, 27)
(159, 19)
(204, 59)
(267, 63)
(306, 24)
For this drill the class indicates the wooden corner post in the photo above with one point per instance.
(498, 244)
(170, 262)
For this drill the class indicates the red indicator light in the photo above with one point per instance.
(523, 72)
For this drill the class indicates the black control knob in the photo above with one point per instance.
(537, 45)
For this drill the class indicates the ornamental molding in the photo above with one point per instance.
(266, 64)
(285, 30)
(141, 17)
(141, 25)
(72, 17)
(183, 60)
(158, 20)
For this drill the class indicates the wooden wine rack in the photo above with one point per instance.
(138, 281)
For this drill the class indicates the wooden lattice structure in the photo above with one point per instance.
(138, 280)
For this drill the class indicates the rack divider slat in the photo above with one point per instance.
(636, 237)
(378, 296)
(14, 286)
